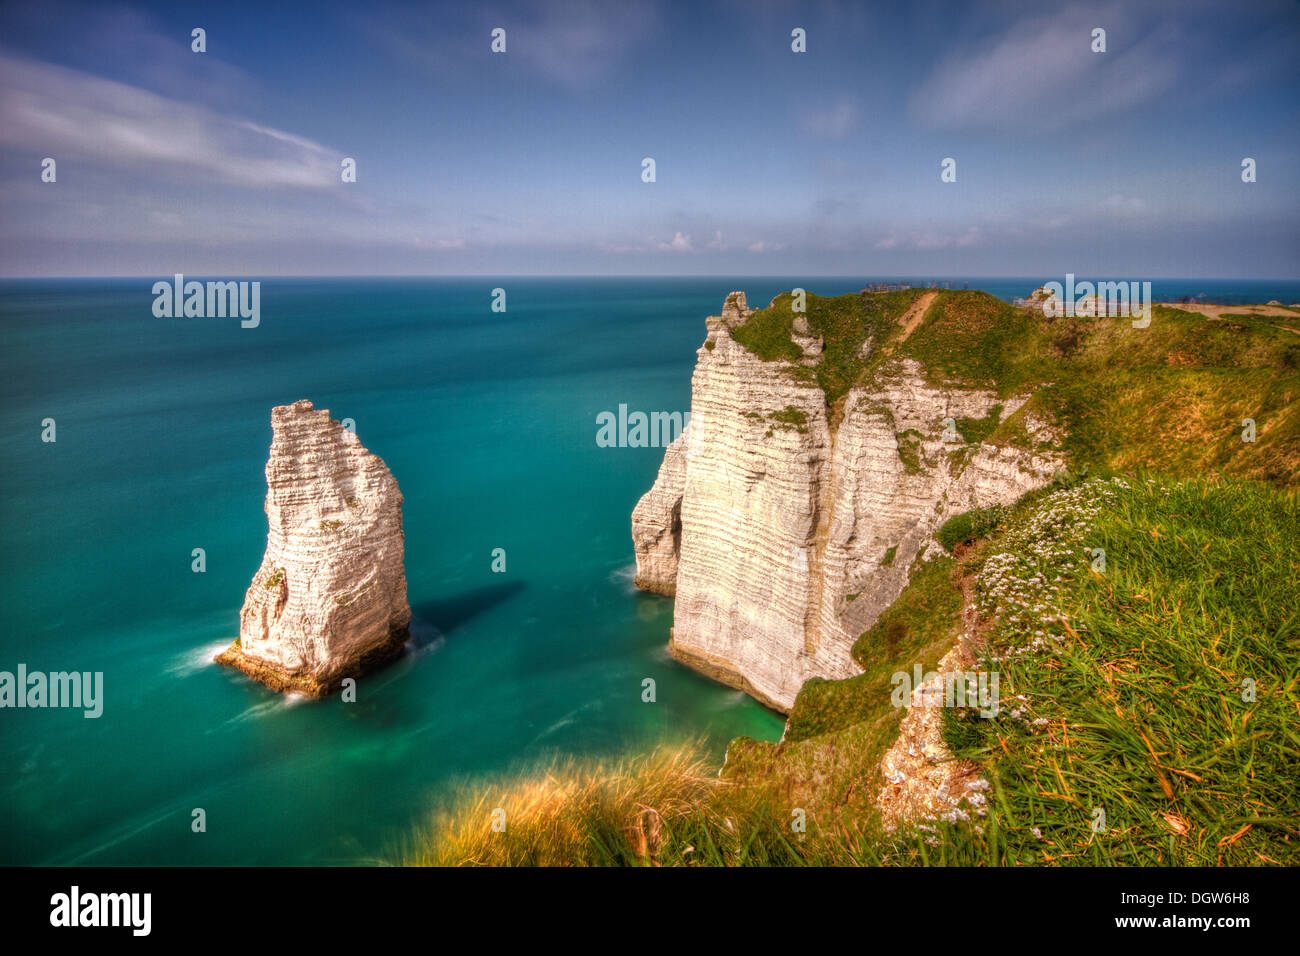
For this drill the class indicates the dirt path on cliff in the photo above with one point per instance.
(923, 781)
(1215, 311)
(913, 316)
(1222, 313)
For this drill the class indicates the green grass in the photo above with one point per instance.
(1134, 705)
(1172, 398)
(976, 430)
(1131, 695)
(845, 323)
(979, 341)
(968, 526)
(791, 418)
(909, 450)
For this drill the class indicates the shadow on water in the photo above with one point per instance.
(450, 614)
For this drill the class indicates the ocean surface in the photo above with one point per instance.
(487, 420)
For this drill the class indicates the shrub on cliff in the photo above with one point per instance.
(968, 526)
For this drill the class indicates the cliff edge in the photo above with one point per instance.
(329, 600)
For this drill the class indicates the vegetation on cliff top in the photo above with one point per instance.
(845, 323)
(1173, 397)
(1170, 397)
(970, 338)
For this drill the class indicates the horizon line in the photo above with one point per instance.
(628, 275)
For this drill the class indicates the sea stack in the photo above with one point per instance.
(329, 600)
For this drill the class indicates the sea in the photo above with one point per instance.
(128, 541)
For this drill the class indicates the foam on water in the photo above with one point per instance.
(625, 578)
(192, 661)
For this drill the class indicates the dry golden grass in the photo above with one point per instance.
(575, 813)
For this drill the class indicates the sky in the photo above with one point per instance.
(1124, 164)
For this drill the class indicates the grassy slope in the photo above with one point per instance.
(1139, 711)
(1172, 397)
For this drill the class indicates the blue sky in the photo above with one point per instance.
(1124, 163)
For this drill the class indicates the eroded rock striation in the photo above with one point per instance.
(783, 526)
(329, 600)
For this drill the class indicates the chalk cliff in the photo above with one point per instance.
(784, 526)
(329, 600)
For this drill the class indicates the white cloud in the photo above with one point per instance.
(50, 110)
(679, 243)
(1042, 74)
(577, 42)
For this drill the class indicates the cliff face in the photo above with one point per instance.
(329, 600)
(784, 527)
(657, 523)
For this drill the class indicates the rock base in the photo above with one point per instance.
(651, 586)
(720, 670)
(314, 685)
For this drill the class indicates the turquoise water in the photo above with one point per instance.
(488, 421)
